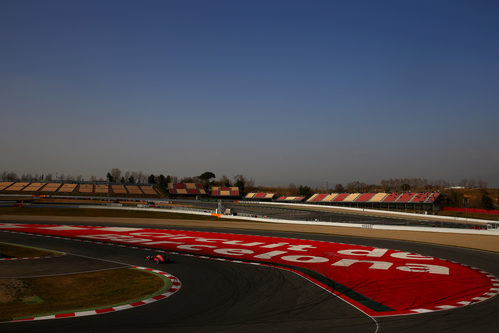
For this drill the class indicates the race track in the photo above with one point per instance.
(221, 296)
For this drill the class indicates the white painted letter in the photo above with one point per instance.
(305, 259)
(193, 247)
(367, 253)
(233, 252)
(300, 247)
(236, 242)
(374, 264)
(269, 255)
(424, 268)
(408, 255)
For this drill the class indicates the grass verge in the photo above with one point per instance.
(19, 251)
(22, 298)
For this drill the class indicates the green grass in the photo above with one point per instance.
(18, 251)
(78, 292)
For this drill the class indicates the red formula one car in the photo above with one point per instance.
(158, 259)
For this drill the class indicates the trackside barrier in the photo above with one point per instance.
(384, 212)
(335, 224)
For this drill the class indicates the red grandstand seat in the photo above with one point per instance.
(340, 197)
(364, 197)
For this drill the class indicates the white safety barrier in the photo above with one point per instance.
(494, 232)
(384, 212)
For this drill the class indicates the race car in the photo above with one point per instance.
(158, 259)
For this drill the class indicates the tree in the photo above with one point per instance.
(131, 179)
(151, 179)
(110, 178)
(162, 181)
(487, 201)
(240, 182)
(116, 174)
(305, 191)
(206, 176)
(225, 181)
(338, 188)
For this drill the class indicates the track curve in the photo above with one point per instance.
(221, 296)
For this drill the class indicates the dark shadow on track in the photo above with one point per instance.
(215, 297)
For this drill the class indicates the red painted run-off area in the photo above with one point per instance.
(378, 281)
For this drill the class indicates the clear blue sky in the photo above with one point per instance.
(282, 92)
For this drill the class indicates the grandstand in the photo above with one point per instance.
(406, 197)
(264, 196)
(392, 197)
(33, 187)
(51, 187)
(133, 189)
(4, 185)
(351, 197)
(67, 188)
(420, 197)
(330, 197)
(290, 199)
(186, 189)
(101, 188)
(432, 198)
(86, 188)
(148, 189)
(16, 187)
(118, 189)
(365, 197)
(317, 197)
(340, 197)
(224, 191)
(378, 197)
(404, 200)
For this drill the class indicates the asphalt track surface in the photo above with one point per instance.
(229, 297)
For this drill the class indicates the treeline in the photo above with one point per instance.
(49, 177)
(207, 179)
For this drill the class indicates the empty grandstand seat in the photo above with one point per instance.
(340, 197)
(378, 197)
(51, 187)
(67, 188)
(118, 189)
(391, 197)
(432, 197)
(86, 188)
(4, 185)
(16, 187)
(364, 197)
(351, 197)
(33, 187)
(420, 197)
(312, 198)
(320, 197)
(133, 189)
(406, 197)
(101, 188)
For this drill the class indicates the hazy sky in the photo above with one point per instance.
(282, 92)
